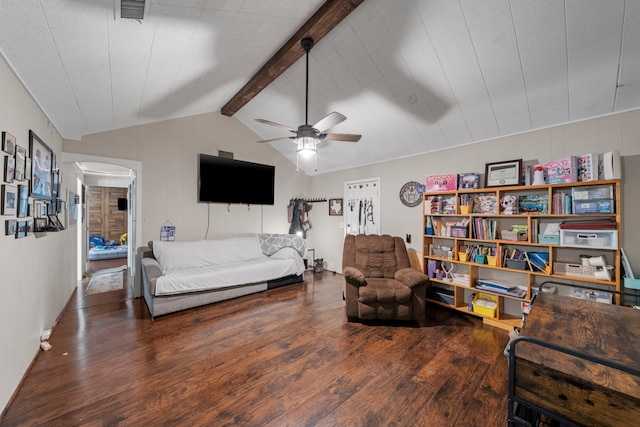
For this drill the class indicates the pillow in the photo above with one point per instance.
(205, 253)
(285, 253)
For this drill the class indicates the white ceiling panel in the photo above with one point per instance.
(412, 76)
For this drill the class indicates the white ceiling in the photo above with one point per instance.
(412, 76)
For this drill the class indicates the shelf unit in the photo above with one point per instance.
(446, 234)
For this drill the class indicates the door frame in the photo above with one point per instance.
(135, 215)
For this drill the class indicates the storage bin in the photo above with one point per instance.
(488, 310)
(596, 239)
(517, 264)
(593, 199)
(593, 206)
(549, 239)
(513, 235)
(538, 259)
(466, 209)
(440, 294)
(441, 252)
(569, 269)
(592, 192)
(459, 231)
(630, 283)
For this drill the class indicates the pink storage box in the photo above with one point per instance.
(563, 170)
(445, 182)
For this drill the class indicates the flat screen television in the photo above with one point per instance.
(122, 204)
(223, 180)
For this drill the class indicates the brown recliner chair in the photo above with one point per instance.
(380, 284)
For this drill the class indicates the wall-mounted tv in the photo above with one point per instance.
(223, 180)
(122, 203)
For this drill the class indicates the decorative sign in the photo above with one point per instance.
(411, 193)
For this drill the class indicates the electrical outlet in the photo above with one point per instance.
(45, 335)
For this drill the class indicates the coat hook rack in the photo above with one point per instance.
(315, 200)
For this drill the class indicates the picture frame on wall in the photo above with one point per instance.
(30, 227)
(27, 168)
(8, 143)
(40, 224)
(54, 176)
(21, 156)
(55, 223)
(468, 181)
(9, 169)
(10, 227)
(41, 176)
(335, 207)
(23, 201)
(9, 199)
(500, 174)
(22, 229)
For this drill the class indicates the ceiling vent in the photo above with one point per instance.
(132, 9)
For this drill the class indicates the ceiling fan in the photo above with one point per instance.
(307, 137)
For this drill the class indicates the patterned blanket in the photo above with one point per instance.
(272, 243)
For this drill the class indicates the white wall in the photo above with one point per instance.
(169, 151)
(616, 132)
(37, 277)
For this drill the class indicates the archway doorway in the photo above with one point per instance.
(110, 172)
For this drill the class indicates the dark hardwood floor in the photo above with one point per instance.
(285, 357)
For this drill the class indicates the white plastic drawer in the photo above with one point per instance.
(601, 239)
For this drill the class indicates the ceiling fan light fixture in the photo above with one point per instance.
(307, 136)
(307, 146)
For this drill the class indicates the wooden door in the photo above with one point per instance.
(105, 219)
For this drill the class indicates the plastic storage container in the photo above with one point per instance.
(591, 200)
(485, 304)
(596, 239)
(517, 264)
(549, 239)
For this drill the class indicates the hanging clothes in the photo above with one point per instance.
(299, 219)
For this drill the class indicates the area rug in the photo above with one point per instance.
(110, 270)
(105, 282)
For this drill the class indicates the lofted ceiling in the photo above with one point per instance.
(412, 76)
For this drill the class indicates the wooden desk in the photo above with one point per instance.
(574, 388)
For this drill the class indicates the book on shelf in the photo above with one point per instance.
(485, 229)
(561, 203)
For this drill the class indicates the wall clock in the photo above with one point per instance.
(411, 193)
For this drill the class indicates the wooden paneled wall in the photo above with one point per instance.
(104, 217)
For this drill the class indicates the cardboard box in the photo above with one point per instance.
(562, 170)
(444, 182)
(588, 167)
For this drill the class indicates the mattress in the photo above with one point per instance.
(259, 270)
(108, 252)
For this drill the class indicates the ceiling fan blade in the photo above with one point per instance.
(276, 139)
(330, 121)
(278, 125)
(348, 137)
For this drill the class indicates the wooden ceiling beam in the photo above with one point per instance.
(324, 20)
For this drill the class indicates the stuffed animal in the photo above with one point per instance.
(508, 204)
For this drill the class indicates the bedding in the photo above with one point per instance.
(108, 252)
(180, 275)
